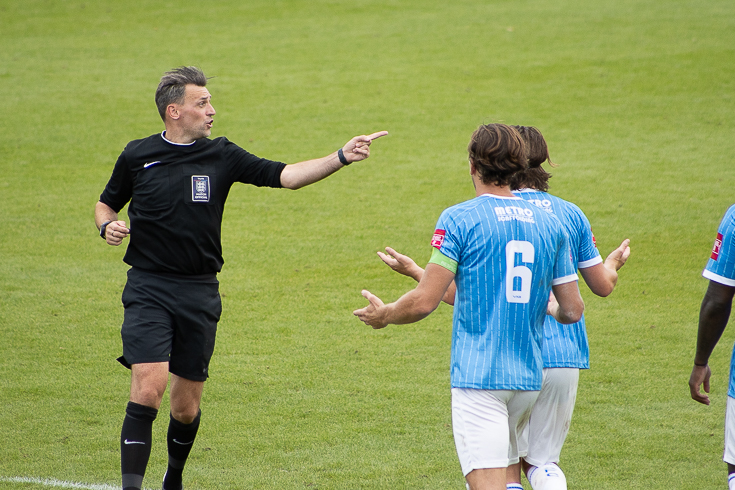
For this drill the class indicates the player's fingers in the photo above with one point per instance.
(374, 300)
(399, 256)
(390, 261)
(698, 397)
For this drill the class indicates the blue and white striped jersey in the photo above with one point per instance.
(508, 253)
(566, 346)
(721, 268)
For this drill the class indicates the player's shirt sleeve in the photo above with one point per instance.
(721, 265)
(119, 189)
(446, 242)
(564, 270)
(587, 253)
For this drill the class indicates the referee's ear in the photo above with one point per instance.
(172, 111)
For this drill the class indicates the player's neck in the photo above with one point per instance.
(496, 190)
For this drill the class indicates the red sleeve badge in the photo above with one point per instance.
(438, 239)
(716, 248)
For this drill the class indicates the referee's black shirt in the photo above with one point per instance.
(177, 195)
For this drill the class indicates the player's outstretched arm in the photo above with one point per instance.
(413, 306)
(713, 316)
(565, 303)
(301, 174)
(405, 265)
(115, 231)
(602, 278)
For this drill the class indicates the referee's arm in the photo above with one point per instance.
(115, 230)
(301, 174)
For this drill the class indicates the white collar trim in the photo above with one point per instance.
(163, 135)
(501, 197)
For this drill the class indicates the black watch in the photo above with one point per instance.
(103, 227)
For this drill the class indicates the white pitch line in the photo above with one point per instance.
(52, 482)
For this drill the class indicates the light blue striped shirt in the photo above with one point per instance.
(721, 268)
(509, 253)
(566, 346)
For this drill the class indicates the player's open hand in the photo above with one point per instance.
(403, 264)
(115, 232)
(700, 377)
(618, 256)
(358, 148)
(372, 313)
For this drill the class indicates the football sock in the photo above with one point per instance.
(547, 477)
(513, 486)
(731, 481)
(180, 440)
(135, 444)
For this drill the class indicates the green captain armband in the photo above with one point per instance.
(439, 258)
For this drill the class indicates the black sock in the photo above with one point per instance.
(180, 440)
(135, 444)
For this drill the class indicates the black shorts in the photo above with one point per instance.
(171, 318)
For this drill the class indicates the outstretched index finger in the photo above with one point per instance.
(377, 135)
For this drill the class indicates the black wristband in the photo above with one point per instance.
(701, 365)
(342, 158)
(103, 227)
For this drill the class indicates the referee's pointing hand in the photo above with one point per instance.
(358, 148)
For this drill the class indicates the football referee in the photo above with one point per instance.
(176, 184)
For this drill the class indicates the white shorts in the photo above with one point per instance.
(729, 456)
(486, 426)
(542, 439)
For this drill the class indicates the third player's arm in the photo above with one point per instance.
(602, 278)
(713, 316)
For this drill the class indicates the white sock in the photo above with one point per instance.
(548, 477)
(731, 481)
(513, 486)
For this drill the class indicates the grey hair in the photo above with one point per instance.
(172, 88)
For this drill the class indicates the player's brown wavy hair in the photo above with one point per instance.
(534, 177)
(497, 151)
(172, 88)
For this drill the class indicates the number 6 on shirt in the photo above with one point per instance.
(521, 272)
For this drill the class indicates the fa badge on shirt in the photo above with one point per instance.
(200, 188)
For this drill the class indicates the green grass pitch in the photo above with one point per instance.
(636, 100)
